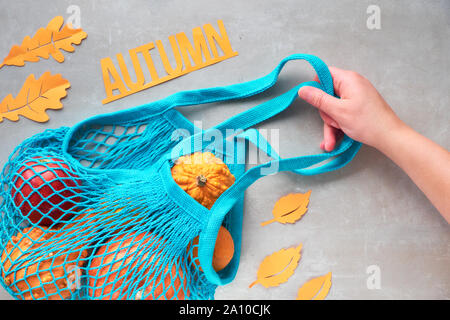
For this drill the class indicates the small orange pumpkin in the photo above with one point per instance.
(203, 176)
(223, 250)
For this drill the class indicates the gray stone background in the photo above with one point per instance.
(368, 213)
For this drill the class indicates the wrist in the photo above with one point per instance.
(392, 137)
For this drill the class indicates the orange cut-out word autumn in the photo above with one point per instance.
(202, 52)
(315, 289)
(48, 41)
(35, 97)
(278, 267)
(290, 208)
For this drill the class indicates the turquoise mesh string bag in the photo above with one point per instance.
(93, 212)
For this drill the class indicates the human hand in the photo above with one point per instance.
(361, 112)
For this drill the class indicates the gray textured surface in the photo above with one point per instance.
(368, 213)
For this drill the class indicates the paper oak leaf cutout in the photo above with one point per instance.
(290, 208)
(278, 267)
(35, 97)
(46, 42)
(315, 289)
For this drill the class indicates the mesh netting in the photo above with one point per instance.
(88, 212)
(77, 232)
(134, 145)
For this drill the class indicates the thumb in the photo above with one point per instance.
(320, 99)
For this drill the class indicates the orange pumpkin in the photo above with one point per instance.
(122, 254)
(107, 217)
(223, 250)
(37, 268)
(203, 176)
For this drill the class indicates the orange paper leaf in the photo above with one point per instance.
(315, 289)
(290, 208)
(46, 42)
(35, 97)
(278, 267)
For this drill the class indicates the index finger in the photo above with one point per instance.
(338, 76)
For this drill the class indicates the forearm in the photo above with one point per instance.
(424, 161)
(363, 115)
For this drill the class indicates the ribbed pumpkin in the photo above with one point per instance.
(36, 267)
(126, 254)
(203, 176)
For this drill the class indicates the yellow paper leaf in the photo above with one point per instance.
(46, 42)
(35, 97)
(278, 267)
(315, 289)
(290, 208)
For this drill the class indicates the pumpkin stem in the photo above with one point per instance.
(201, 180)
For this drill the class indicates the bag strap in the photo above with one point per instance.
(266, 110)
(305, 165)
(250, 88)
(252, 116)
(203, 96)
(254, 136)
